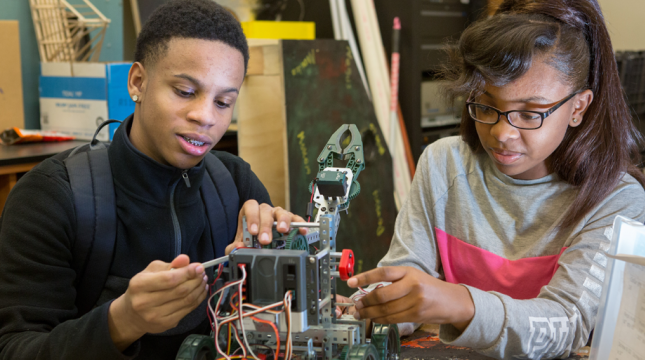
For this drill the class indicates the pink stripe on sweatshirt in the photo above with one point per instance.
(464, 263)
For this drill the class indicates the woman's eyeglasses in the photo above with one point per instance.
(521, 119)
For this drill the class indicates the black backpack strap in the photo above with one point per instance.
(90, 177)
(218, 184)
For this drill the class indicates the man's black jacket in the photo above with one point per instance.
(37, 230)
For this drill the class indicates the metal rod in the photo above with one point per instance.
(300, 224)
(214, 262)
(345, 304)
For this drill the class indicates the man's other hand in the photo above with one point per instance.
(259, 219)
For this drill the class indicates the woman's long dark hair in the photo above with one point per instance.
(571, 36)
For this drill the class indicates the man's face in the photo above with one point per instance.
(186, 100)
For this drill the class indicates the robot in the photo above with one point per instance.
(280, 299)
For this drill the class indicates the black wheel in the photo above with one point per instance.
(359, 352)
(386, 340)
(197, 347)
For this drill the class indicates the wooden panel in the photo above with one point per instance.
(262, 130)
(264, 57)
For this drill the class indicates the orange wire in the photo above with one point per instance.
(277, 335)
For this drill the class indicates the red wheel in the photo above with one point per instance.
(346, 267)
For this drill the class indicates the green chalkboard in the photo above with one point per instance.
(324, 91)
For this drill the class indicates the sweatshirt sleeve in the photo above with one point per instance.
(560, 319)
(37, 311)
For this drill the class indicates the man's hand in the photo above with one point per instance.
(259, 219)
(156, 299)
(414, 296)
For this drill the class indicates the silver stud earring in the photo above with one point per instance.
(135, 98)
(574, 120)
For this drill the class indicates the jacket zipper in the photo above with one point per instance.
(173, 212)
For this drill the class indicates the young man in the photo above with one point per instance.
(189, 66)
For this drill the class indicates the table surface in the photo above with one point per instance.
(425, 344)
(33, 152)
(37, 152)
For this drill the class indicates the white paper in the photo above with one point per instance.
(629, 337)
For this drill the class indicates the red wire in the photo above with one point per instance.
(275, 330)
(313, 191)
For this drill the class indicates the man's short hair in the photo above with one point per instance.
(188, 19)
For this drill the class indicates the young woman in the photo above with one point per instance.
(502, 237)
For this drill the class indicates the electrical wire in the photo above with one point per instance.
(241, 315)
(275, 331)
(238, 314)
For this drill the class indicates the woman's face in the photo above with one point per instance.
(524, 154)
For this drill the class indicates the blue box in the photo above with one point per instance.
(75, 98)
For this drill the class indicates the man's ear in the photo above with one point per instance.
(136, 81)
(581, 103)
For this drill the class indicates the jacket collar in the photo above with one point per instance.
(140, 176)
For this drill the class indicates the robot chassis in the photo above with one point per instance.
(292, 262)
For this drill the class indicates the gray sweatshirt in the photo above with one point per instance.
(536, 294)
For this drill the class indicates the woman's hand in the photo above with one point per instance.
(414, 296)
(259, 219)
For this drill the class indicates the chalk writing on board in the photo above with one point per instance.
(303, 149)
(310, 59)
(380, 229)
(379, 144)
(348, 68)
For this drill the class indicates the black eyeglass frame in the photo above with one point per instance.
(543, 115)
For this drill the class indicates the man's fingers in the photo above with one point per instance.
(382, 274)
(232, 246)
(284, 219)
(251, 210)
(148, 300)
(266, 223)
(164, 280)
(171, 312)
(383, 309)
(179, 262)
(296, 218)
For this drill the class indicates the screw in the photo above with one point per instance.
(322, 158)
(331, 209)
(323, 208)
(328, 147)
(350, 255)
(312, 260)
(356, 148)
(358, 161)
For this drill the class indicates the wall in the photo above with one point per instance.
(625, 22)
(30, 59)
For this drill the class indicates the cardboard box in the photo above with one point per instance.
(11, 105)
(75, 98)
